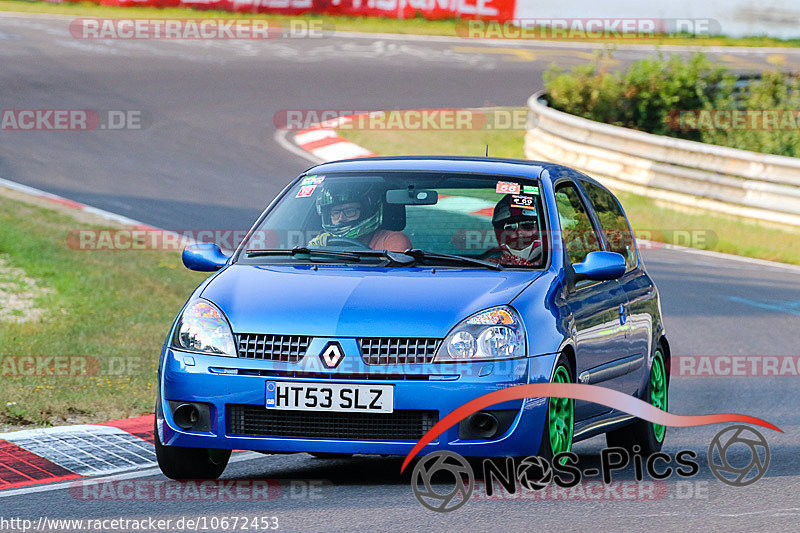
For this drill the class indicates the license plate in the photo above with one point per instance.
(340, 397)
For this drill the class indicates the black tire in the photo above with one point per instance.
(179, 463)
(545, 448)
(640, 433)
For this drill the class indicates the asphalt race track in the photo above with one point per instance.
(208, 159)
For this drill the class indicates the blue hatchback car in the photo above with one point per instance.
(374, 296)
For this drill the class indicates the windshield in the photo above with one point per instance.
(440, 218)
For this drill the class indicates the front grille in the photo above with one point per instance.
(397, 351)
(287, 348)
(255, 420)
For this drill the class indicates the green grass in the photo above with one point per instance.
(720, 233)
(115, 306)
(415, 26)
(649, 218)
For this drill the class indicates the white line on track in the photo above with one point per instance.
(13, 185)
(719, 255)
(533, 43)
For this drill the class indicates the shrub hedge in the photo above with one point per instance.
(689, 98)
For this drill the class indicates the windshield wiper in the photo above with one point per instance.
(392, 258)
(304, 251)
(422, 255)
(406, 258)
(396, 258)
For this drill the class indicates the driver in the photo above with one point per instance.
(352, 214)
(517, 231)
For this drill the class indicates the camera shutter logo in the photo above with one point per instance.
(738, 473)
(534, 473)
(456, 470)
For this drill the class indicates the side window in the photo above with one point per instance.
(576, 227)
(613, 221)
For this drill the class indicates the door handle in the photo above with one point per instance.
(623, 314)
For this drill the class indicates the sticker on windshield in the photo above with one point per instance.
(523, 201)
(507, 187)
(312, 180)
(306, 191)
(530, 189)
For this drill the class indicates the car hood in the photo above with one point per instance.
(343, 301)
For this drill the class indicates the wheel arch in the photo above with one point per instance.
(664, 343)
(568, 351)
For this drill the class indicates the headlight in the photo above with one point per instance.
(203, 328)
(496, 333)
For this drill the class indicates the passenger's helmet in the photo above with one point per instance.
(522, 239)
(371, 209)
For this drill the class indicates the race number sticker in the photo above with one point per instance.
(507, 187)
(306, 191)
(312, 180)
(523, 201)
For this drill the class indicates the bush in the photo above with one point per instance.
(774, 91)
(652, 92)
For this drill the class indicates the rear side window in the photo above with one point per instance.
(613, 222)
(576, 227)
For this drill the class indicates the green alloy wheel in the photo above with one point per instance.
(649, 437)
(559, 426)
(560, 416)
(658, 392)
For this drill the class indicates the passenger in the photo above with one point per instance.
(518, 235)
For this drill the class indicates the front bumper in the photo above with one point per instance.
(222, 382)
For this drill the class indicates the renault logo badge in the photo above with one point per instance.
(332, 355)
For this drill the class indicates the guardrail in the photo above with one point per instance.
(689, 173)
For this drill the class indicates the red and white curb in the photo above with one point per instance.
(30, 457)
(322, 141)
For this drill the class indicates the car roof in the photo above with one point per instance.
(477, 165)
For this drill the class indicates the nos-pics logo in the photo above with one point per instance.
(443, 481)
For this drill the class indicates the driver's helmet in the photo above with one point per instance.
(516, 228)
(371, 209)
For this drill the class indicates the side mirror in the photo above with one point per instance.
(204, 257)
(600, 266)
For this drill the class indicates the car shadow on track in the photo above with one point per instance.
(365, 470)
